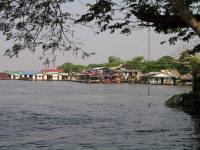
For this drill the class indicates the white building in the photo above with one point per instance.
(40, 77)
(163, 78)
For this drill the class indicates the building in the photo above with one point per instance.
(122, 73)
(162, 78)
(51, 75)
(27, 75)
(46, 70)
(95, 75)
(4, 76)
(64, 76)
(40, 77)
(186, 79)
(14, 75)
(166, 77)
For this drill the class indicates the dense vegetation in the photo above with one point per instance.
(70, 67)
(49, 25)
(139, 63)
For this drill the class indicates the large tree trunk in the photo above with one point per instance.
(196, 83)
(186, 14)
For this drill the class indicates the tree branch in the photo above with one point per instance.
(186, 14)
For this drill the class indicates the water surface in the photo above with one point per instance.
(75, 116)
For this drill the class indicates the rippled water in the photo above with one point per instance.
(74, 116)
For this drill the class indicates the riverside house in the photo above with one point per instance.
(186, 79)
(4, 76)
(117, 74)
(95, 75)
(27, 75)
(92, 75)
(14, 75)
(40, 77)
(166, 77)
(122, 74)
(56, 76)
(51, 75)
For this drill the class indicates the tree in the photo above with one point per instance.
(46, 62)
(180, 17)
(38, 24)
(96, 65)
(164, 16)
(136, 63)
(72, 68)
(49, 25)
(193, 62)
(114, 61)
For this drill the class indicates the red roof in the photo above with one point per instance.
(52, 70)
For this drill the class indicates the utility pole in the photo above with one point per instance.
(149, 54)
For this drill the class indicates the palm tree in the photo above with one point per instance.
(46, 62)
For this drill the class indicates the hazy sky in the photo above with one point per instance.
(104, 45)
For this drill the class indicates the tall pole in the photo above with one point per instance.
(149, 50)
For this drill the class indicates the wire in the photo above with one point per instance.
(149, 54)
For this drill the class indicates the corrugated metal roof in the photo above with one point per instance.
(28, 73)
(51, 70)
(187, 77)
(162, 75)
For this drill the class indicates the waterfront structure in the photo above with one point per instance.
(46, 70)
(51, 75)
(4, 76)
(27, 75)
(64, 76)
(14, 75)
(163, 78)
(40, 77)
(119, 74)
(122, 74)
(95, 75)
(186, 79)
(166, 77)
(88, 77)
(56, 76)
(144, 78)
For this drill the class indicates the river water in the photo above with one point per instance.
(75, 116)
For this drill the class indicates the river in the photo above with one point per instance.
(78, 116)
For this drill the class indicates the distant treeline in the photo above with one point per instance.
(138, 62)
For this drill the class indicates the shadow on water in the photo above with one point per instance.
(196, 126)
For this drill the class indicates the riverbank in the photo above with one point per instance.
(188, 102)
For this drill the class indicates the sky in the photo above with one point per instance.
(104, 45)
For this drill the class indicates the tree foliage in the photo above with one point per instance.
(191, 61)
(163, 63)
(38, 24)
(72, 68)
(48, 24)
(113, 61)
(34, 22)
(164, 16)
(136, 63)
(139, 63)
